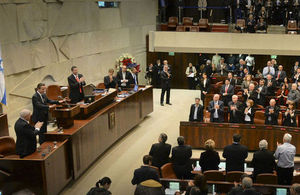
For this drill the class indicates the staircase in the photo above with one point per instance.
(276, 29)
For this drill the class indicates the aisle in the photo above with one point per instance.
(119, 162)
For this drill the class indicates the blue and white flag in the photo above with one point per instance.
(2, 83)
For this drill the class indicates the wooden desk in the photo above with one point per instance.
(197, 133)
(46, 175)
(3, 125)
(91, 137)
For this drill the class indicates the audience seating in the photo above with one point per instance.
(187, 21)
(167, 171)
(7, 146)
(156, 169)
(292, 27)
(101, 86)
(180, 28)
(234, 176)
(259, 117)
(214, 175)
(203, 24)
(194, 29)
(266, 178)
(173, 22)
(296, 179)
(53, 92)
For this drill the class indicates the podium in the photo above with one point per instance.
(65, 114)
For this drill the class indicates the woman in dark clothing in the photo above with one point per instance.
(204, 86)
(101, 188)
(289, 117)
(210, 159)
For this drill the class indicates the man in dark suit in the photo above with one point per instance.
(235, 109)
(271, 113)
(263, 160)
(26, 134)
(157, 69)
(235, 155)
(196, 111)
(134, 76)
(271, 85)
(110, 81)
(226, 92)
(250, 93)
(231, 79)
(40, 108)
(216, 109)
(76, 82)
(261, 91)
(160, 151)
(181, 159)
(145, 172)
(280, 74)
(124, 77)
(165, 77)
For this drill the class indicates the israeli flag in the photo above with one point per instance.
(2, 83)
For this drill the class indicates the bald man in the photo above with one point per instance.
(216, 109)
(26, 134)
(271, 113)
(235, 109)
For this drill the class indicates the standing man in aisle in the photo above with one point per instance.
(40, 109)
(76, 82)
(165, 77)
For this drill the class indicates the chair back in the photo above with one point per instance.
(101, 86)
(53, 91)
(259, 117)
(292, 25)
(203, 23)
(194, 29)
(167, 171)
(7, 146)
(156, 169)
(234, 176)
(296, 179)
(187, 21)
(180, 28)
(173, 21)
(266, 178)
(214, 175)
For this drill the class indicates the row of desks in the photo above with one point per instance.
(79, 146)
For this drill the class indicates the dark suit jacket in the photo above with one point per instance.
(165, 80)
(160, 153)
(26, 138)
(252, 96)
(251, 115)
(235, 155)
(206, 87)
(127, 77)
(289, 120)
(199, 113)
(109, 84)
(237, 117)
(132, 82)
(211, 109)
(182, 165)
(270, 89)
(144, 173)
(274, 116)
(75, 86)
(209, 160)
(263, 162)
(282, 75)
(40, 108)
(262, 96)
(230, 92)
(233, 82)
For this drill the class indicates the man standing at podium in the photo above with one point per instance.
(40, 108)
(76, 82)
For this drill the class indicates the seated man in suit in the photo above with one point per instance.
(145, 172)
(26, 134)
(181, 159)
(294, 95)
(110, 81)
(196, 111)
(263, 160)
(261, 91)
(160, 151)
(134, 76)
(250, 93)
(235, 108)
(123, 78)
(40, 105)
(271, 113)
(76, 82)
(271, 85)
(216, 109)
(226, 92)
(280, 75)
(235, 155)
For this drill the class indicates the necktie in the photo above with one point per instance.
(278, 75)
(42, 98)
(226, 89)
(77, 79)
